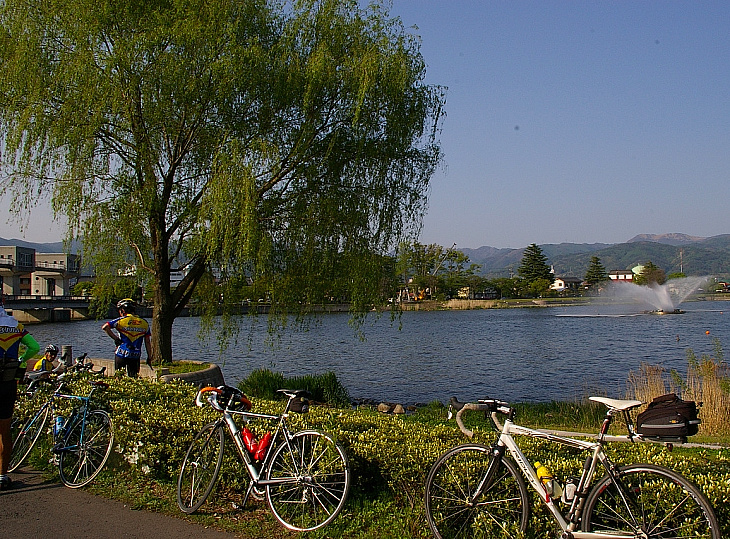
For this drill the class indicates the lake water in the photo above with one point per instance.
(536, 354)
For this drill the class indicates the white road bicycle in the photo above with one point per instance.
(475, 491)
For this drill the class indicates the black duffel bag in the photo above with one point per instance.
(668, 419)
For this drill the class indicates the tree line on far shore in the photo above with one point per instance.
(434, 272)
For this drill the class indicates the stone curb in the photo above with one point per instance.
(209, 376)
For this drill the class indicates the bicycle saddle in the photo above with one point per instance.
(295, 393)
(617, 404)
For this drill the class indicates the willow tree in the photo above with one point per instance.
(285, 143)
(288, 144)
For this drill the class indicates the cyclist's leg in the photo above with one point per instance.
(8, 394)
(460, 504)
(654, 502)
(133, 367)
(119, 363)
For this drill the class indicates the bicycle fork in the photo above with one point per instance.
(486, 482)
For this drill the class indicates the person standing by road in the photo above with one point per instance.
(128, 332)
(12, 335)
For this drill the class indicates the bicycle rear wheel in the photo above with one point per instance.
(660, 504)
(200, 468)
(459, 505)
(89, 443)
(313, 479)
(26, 437)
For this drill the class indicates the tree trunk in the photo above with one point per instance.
(163, 313)
(162, 320)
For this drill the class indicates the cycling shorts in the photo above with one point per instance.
(132, 365)
(8, 393)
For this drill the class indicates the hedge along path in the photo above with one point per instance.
(389, 455)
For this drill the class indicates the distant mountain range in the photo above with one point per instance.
(52, 247)
(671, 252)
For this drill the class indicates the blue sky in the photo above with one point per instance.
(577, 121)
(569, 121)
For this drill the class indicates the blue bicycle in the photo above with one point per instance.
(82, 442)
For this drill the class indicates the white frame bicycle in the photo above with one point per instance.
(477, 491)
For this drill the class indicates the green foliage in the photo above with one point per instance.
(325, 388)
(596, 272)
(83, 288)
(389, 455)
(651, 274)
(290, 144)
(262, 383)
(178, 367)
(534, 267)
(583, 416)
(431, 271)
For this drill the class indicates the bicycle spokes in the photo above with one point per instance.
(312, 480)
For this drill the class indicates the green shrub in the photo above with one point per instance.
(389, 455)
(325, 388)
(262, 383)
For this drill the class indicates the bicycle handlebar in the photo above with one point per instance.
(232, 395)
(492, 406)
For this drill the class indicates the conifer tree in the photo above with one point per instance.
(596, 272)
(534, 266)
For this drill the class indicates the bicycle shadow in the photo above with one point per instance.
(26, 480)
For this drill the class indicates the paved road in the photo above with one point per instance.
(37, 508)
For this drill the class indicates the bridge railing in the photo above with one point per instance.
(25, 298)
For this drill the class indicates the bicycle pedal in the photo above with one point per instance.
(58, 449)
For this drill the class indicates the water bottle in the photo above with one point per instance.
(249, 441)
(550, 484)
(262, 446)
(58, 425)
(569, 491)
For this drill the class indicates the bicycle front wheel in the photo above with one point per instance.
(200, 468)
(87, 445)
(654, 502)
(26, 437)
(312, 481)
(460, 503)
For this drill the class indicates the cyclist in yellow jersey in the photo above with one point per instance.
(128, 332)
(49, 356)
(12, 335)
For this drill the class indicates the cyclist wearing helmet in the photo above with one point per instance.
(131, 332)
(49, 356)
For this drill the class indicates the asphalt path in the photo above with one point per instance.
(37, 508)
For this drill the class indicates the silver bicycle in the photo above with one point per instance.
(305, 475)
(475, 491)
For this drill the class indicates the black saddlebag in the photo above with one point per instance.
(668, 419)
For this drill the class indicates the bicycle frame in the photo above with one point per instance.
(80, 411)
(506, 442)
(256, 471)
(304, 475)
(570, 523)
(477, 490)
